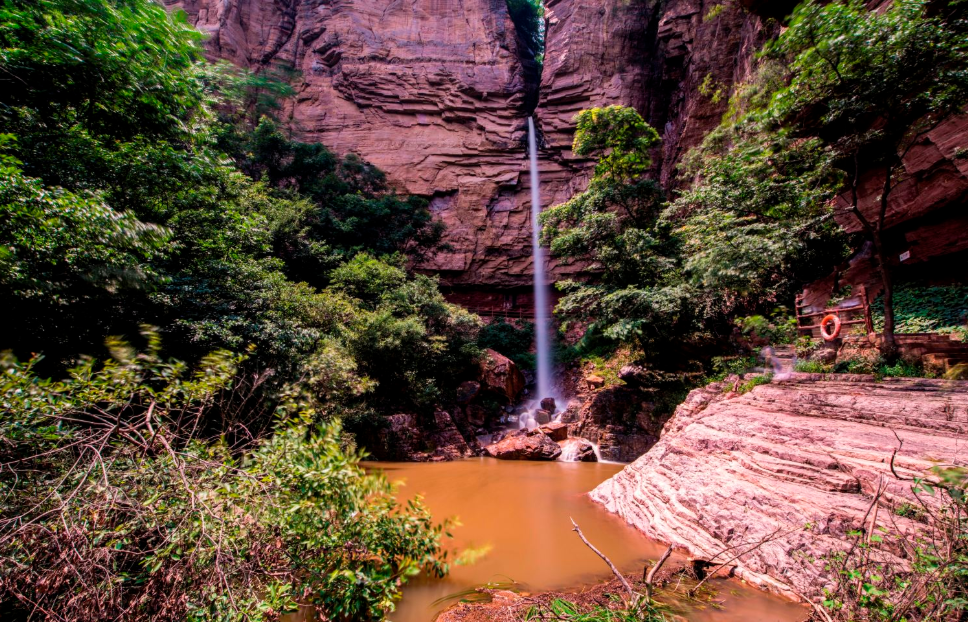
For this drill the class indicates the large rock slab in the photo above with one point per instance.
(524, 445)
(793, 463)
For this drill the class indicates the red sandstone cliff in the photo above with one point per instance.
(435, 92)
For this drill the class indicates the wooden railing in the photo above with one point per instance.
(854, 315)
(518, 313)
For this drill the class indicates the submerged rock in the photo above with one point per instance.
(791, 465)
(524, 445)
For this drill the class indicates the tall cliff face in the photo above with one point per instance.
(436, 93)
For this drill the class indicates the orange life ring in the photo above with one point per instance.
(823, 327)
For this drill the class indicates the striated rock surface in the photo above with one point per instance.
(436, 93)
(650, 55)
(793, 463)
(524, 445)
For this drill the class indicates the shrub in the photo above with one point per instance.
(778, 330)
(754, 382)
(723, 366)
(933, 586)
(116, 505)
(512, 341)
(813, 367)
(941, 309)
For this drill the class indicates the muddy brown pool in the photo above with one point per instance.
(521, 511)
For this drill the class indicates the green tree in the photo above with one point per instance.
(757, 222)
(614, 226)
(872, 84)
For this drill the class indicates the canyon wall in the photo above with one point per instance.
(437, 92)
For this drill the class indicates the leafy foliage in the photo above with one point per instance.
(512, 341)
(140, 185)
(757, 221)
(869, 587)
(615, 226)
(939, 309)
(116, 505)
(871, 84)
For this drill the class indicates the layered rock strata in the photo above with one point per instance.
(780, 475)
(437, 92)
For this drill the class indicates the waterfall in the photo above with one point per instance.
(542, 324)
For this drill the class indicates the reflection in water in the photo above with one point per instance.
(522, 511)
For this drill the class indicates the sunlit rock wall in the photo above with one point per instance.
(436, 93)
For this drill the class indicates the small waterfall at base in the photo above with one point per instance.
(541, 311)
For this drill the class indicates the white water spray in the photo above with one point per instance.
(541, 316)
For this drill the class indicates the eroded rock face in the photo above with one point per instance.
(524, 445)
(405, 437)
(437, 92)
(620, 421)
(794, 462)
(650, 55)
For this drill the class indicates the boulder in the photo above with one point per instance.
(542, 417)
(572, 412)
(406, 437)
(621, 420)
(633, 375)
(476, 414)
(577, 450)
(556, 430)
(467, 391)
(524, 445)
(499, 374)
(548, 403)
(595, 382)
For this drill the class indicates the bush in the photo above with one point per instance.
(115, 504)
(941, 309)
(780, 329)
(813, 367)
(512, 341)
(868, 586)
(754, 382)
(723, 366)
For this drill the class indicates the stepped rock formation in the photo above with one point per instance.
(793, 463)
(436, 93)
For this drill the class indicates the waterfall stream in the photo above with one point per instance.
(542, 324)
